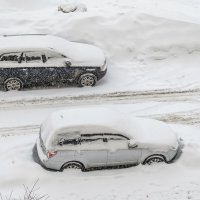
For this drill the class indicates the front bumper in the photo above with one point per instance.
(178, 151)
(101, 74)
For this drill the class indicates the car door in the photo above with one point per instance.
(39, 71)
(11, 67)
(119, 153)
(92, 151)
(62, 65)
(66, 144)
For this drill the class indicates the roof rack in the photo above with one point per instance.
(22, 35)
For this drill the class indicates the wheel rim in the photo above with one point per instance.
(87, 81)
(154, 160)
(13, 84)
(73, 166)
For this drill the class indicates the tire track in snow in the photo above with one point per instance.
(187, 118)
(20, 130)
(130, 96)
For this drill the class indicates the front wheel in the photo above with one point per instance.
(87, 80)
(13, 84)
(154, 159)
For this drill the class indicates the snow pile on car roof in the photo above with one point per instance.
(90, 116)
(75, 51)
(102, 119)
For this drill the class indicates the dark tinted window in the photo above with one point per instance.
(99, 137)
(10, 57)
(33, 57)
(88, 138)
(52, 55)
(115, 137)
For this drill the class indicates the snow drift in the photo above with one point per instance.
(127, 36)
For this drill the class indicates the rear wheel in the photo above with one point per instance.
(87, 80)
(154, 159)
(13, 84)
(73, 165)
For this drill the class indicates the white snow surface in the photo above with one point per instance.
(149, 45)
(179, 180)
(152, 42)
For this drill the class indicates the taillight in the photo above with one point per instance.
(50, 154)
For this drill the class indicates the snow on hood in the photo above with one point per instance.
(81, 53)
(154, 134)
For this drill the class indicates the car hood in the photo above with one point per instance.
(155, 134)
(87, 55)
(82, 54)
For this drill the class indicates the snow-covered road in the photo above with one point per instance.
(152, 49)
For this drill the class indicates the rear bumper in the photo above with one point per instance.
(40, 158)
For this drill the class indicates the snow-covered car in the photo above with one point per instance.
(100, 137)
(41, 60)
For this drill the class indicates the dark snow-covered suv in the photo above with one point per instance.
(42, 60)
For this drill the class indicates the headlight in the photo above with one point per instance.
(175, 147)
(103, 68)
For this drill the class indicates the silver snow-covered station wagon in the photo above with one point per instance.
(45, 60)
(87, 138)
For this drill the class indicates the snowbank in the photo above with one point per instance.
(123, 36)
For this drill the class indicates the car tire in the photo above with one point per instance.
(73, 165)
(87, 80)
(13, 84)
(154, 159)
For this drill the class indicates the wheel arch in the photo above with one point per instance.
(85, 74)
(154, 156)
(11, 78)
(71, 162)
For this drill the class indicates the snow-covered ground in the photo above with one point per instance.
(153, 55)
(179, 180)
(148, 44)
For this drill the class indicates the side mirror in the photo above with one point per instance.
(68, 63)
(132, 144)
(61, 141)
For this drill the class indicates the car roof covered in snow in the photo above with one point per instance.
(102, 119)
(73, 50)
(98, 118)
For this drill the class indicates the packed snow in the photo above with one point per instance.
(152, 49)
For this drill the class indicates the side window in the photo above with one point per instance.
(72, 138)
(32, 57)
(11, 57)
(91, 138)
(53, 55)
(115, 137)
